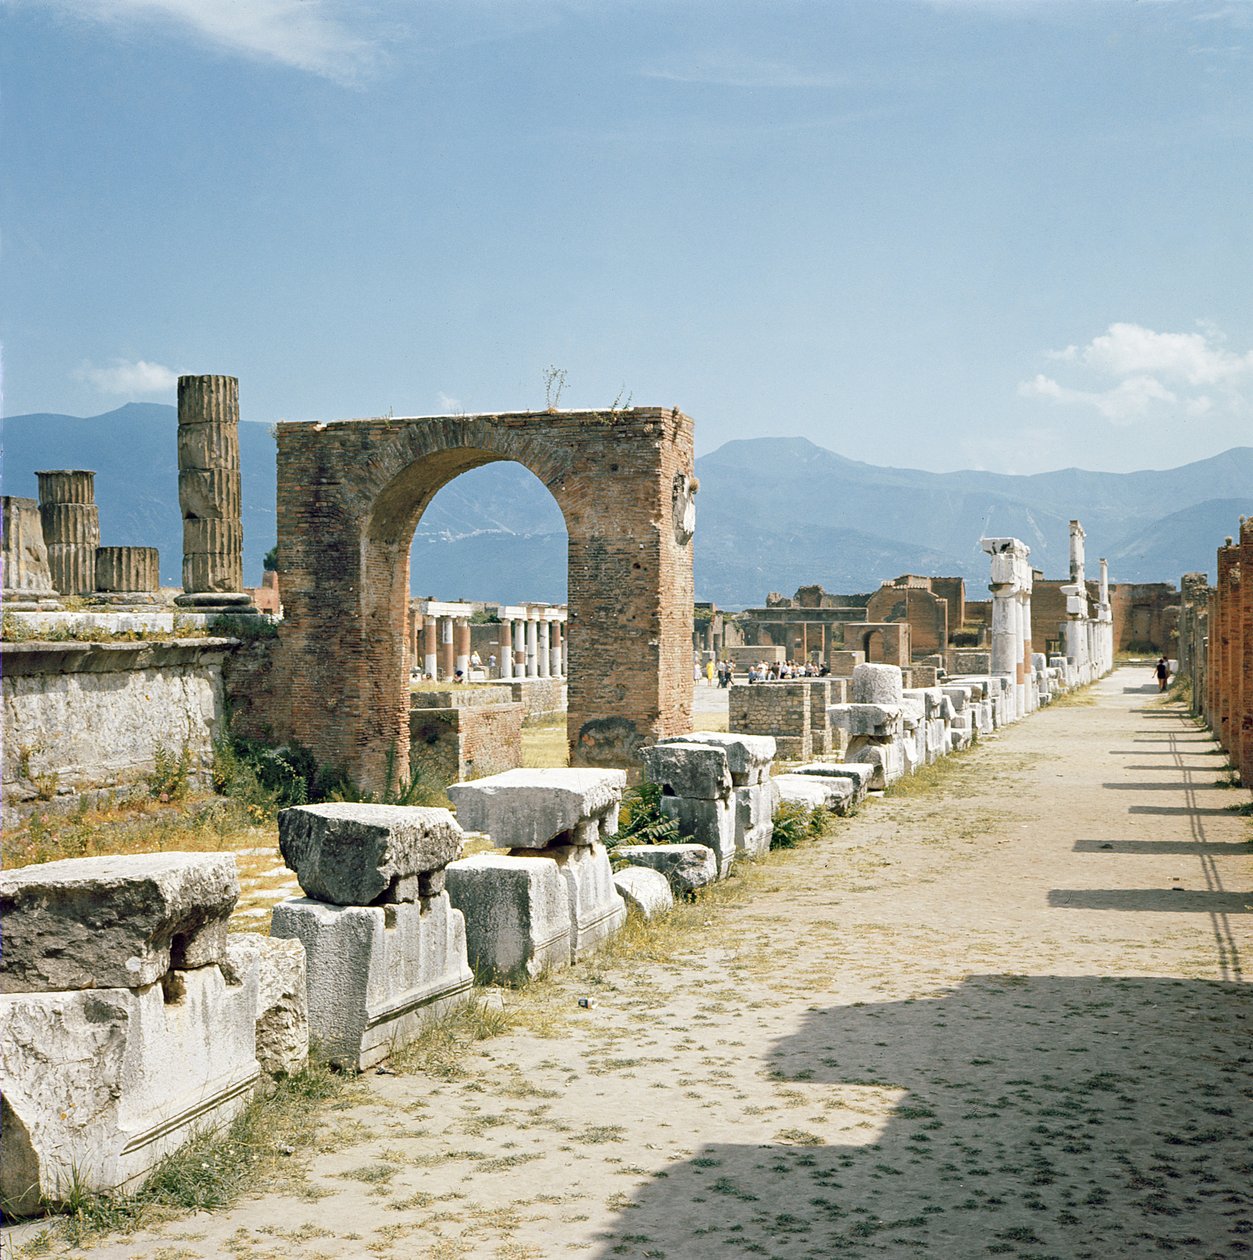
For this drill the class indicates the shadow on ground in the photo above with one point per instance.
(1034, 1117)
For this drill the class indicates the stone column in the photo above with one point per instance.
(209, 494)
(543, 657)
(415, 638)
(505, 648)
(519, 648)
(1077, 535)
(27, 581)
(555, 650)
(71, 528)
(430, 648)
(132, 574)
(532, 647)
(447, 652)
(462, 643)
(565, 650)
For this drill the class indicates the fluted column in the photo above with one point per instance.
(209, 494)
(27, 580)
(543, 657)
(555, 650)
(130, 572)
(532, 647)
(519, 648)
(71, 528)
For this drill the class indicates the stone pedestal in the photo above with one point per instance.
(209, 495)
(71, 528)
(754, 818)
(27, 578)
(376, 973)
(597, 910)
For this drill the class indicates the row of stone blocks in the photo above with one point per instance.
(129, 1019)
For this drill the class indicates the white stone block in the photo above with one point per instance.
(748, 756)
(597, 910)
(350, 854)
(645, 891)
(880, 721)
(877, 684)
(754, 818)
(376, 974)
(282, 997)
(699, 771)
(886, 758)
(687, 866)
(517, 913)
(532, 809)
(816, 791)
(709, 823)
(100, 1084)
(113, 922)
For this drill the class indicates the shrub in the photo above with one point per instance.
(170, 774)
(640, 820)
(794, 824)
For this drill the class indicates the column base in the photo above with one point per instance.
(217, 601)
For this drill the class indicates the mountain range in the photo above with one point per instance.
(773, 513)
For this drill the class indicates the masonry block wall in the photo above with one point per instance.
(781, 709)
(350, 495)
(459, 742)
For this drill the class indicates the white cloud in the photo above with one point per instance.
(449, 405)
(140, 379)
(1129, 372)
(304, 34)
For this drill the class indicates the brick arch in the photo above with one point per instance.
(351, 494)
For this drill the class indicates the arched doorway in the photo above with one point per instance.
(350, 495)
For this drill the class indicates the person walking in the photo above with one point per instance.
(1162, 671)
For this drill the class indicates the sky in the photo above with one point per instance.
(1003, 234)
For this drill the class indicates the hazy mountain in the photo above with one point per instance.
(774, 513)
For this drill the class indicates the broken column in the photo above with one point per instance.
(552, 825)
(128, 575)
(209, 495)
(27, 580)
(71, 528)
(1011, 612)
(874, 722)
(125, 1026)
(1075, 633)
(386, 950)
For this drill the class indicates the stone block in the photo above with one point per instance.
(113, 922)
(645, 891)
(101, 1084)
(282, 1043)
(597, 910)
(748, 756)
(816, 792)
(517, 915)
(532, 809)
(886, 759)
(877, 684)
(708, 823)
(688, 770)
(687, 866)
(376, 974)
(868, 720)
(859, 774)
(754, 818)
(351, 854)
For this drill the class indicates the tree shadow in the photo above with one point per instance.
(1171, 900)
(1167, 848)
(1023, 1116)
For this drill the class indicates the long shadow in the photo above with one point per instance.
(1165, 848)
(1180, 785)
(1190, 810)
(1174, 900)
(1069, 1117)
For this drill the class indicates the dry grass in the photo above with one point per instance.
(544, 743)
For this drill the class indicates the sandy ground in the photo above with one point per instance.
(1003, 1017)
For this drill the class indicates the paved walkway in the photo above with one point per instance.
(1004, 1016)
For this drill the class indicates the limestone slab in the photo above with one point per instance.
(687, 866)
(376, 974)
(816, 791)
(886, 759)
(690, 770)
(748, 756)
(282, 1042)
(113, 922)
(517, 914)
(99, 1085)
(532, 809)
(877, 684)
(597, 910)
(754, 818)
(881, 721)
(708, 823)
(645, 891)
(351, 854)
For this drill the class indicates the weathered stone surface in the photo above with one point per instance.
(532, 809)
(597, 910)
(99, 1085)
(877, 684)
(748, 756)
(880, 721)
(687, 866)
(282, 1043)
(644, 890)
(754, 818)
(689, 770)
(27, 578)
(886, 759)
(708, 823)
(816, 792)
(517, 913)
(860, 774)
(376, 974)
(113, 922)
(350, 854)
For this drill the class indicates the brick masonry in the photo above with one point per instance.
(781, 709)
(458, 742)
(350, 495)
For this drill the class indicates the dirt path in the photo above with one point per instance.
(1002, 1017)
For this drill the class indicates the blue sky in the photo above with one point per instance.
(936, 233)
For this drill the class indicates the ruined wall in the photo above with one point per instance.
(85, 716)
(1193, 637)
(926, 612)
(781, 709)
(1146, 616)
(456, 742)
